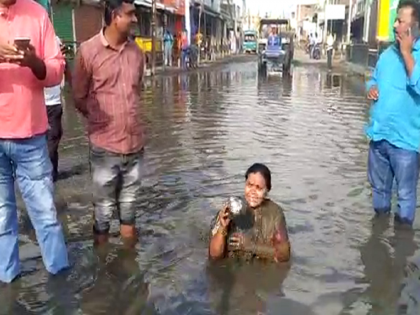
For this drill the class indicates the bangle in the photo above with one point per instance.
(222, 231)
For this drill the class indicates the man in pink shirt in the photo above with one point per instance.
(25, 71)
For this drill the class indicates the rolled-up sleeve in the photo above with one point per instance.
(51, 55)
(414, 79)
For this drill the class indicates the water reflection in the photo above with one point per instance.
(333, 80)
(203, 130)
(119, 286)
(385, 257)
(244, 288)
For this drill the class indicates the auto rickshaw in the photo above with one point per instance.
(250, 44)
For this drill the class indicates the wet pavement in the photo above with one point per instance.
(204, 130)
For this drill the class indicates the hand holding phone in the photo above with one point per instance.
(7, 52)
(22, 43)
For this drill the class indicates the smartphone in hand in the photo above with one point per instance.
(414, 31)
(22, 43)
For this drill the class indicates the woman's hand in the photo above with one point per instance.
(219, 232)
(224, 217)
(239, 241)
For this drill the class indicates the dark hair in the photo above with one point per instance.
(414, 5)
(111, 6)
(263, 170)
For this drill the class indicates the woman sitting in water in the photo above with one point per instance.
(266, 237)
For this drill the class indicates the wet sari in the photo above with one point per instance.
(265, 225)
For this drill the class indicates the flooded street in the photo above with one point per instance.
(203, 131)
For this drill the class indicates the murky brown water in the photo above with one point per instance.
(204, 130)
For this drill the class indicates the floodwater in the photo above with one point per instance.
(204, 129)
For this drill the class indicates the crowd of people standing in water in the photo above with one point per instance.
(117, 139)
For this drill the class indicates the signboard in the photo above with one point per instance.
(392, 16)
(335, 11)
(383, 21)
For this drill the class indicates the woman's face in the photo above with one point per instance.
(255, 189)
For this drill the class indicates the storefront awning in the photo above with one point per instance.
(170, 9)
(206, 9)
(143, 3)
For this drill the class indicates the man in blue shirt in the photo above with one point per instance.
(273, 41)
(394, 126)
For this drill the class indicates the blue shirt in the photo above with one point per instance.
(168, 38)
(395, 116)
(273, 41)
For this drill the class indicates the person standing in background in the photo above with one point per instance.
(52, 97)
(330, 50)
(25, 70)
(312, 43)
(168, 42)
(108, 97)
(184, 49)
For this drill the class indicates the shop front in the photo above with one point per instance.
(393, 4)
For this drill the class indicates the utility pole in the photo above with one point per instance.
(153, 36)
(349, 21)
(324, 33)
(200, 34)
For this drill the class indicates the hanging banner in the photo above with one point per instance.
(383, 20)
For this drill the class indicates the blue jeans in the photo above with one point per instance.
(184, 55)
(27, 161)
(386, 162)
(167, 52)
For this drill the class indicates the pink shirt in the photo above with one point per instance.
(106, 86)
(22, 106)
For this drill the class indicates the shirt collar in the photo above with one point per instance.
(106, 44)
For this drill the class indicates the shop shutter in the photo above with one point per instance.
(63, 21)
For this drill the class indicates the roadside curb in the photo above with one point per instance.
(205, 65)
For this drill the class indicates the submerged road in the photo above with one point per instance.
(204, 130)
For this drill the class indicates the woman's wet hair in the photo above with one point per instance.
(263, 170)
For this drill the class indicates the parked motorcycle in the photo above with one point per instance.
(316, 53)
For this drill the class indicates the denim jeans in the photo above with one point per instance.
(167, 54)
(54, 134)
(184, 55)
(116, 186)
(386, 162)
(27, 161)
